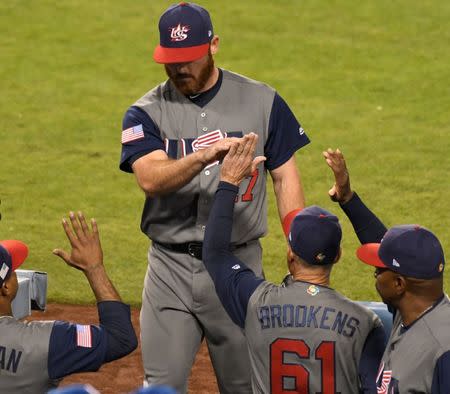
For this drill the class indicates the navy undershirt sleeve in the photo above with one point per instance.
(114, 338)
(368, 227)
(441, 375)
(233, 280)
(370, 359)
(285, 136)
(151, 141)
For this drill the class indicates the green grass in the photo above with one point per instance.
(368, 77)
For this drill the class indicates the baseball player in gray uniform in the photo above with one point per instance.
(305, 337)
(409, 262)
(35, 356)
(173, 140)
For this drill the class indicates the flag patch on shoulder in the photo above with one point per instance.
(132, 134)
(84, 336)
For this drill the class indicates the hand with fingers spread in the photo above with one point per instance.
(87, 256)
(341, 191)
(86, 253)
(239, 162)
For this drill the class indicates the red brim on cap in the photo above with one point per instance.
(17, 250)
(165, 55)
(287, 221)
(368, 253)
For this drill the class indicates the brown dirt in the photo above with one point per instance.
(126, 374)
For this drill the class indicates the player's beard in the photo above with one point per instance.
(189, 84)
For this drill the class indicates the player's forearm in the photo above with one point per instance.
(368, 227)
(101, 285)
(289, 195)
(159, 177)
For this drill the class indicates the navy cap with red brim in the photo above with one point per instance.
(17, 250)
(368, 253)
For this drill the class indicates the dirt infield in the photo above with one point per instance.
(124, 375)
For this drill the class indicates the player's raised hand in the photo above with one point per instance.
(86, 253)
(341, 191)
(239, 162)
(218, 150)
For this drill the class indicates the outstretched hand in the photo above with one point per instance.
(341, 191)
(86, 254)
(239, 162)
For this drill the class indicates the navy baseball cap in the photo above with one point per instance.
(410, 250)
(315, 236)
(12, 255)
(185, 31)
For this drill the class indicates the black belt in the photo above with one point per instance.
(193, 249)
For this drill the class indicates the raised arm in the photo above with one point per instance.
(368, 227)
(233, 280)
(74, 347)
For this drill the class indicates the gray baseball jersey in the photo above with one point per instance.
(35, 356)
(417, 357)
(306, 337)
(24, 356)
(178, 291)
(166, 119)
(302, 338)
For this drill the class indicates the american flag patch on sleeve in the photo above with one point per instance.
(132, 134)
(84, 336)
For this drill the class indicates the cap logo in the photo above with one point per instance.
(179, 33)
(312, 290)
(395, 263)
(320, 257)
(4, 271)
(441, 267)
(236, 267)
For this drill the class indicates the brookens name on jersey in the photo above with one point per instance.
(313, 316)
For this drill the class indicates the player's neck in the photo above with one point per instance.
(412, 309)
(314, 278)
(212, 80)
(5, 308)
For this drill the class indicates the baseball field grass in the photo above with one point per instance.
(371, 78)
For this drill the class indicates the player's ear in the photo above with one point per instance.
(400, 284)
(214, 45)
(9, 287)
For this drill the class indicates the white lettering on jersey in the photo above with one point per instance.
(179, 33)
(205, 141)
(386, 377)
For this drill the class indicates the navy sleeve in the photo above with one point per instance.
(370, 359)
(133, 150)
(285, 137)
(441, 375)
(234, 281)
(366, 224)
(83, 348)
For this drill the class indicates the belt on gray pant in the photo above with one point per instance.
(193, 249)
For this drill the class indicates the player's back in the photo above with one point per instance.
(24, 353)
(305, 338)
